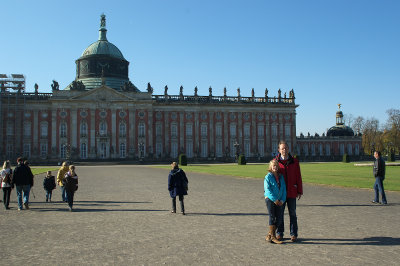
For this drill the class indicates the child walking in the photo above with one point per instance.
(49, 183)
(275, 196)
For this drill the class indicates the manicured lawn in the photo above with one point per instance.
(42, 171)
(336, 174)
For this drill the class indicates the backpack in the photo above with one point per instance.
(7, 178)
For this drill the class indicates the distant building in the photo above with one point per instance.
(102, 115)
(339, 139)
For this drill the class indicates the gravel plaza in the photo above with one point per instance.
(122, 216)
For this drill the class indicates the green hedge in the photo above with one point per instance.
(182, 159)
(346, 158)
(241, 159)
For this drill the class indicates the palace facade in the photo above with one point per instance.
(338, 140)
(102, 115)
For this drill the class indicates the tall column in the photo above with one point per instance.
(197, 144)
(54, 147)
(92, 133)
(113, 132)
(211, 137)
(253, 147)
(74, 128)
(35, 133)
(225, 136)
(181, 132)
(150, 143)
(167, 139)
(132, 132)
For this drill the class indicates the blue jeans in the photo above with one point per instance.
(291, 203)
(25, 189)
(275, 212)
(48, 194)
(378, 187)
(64, 194)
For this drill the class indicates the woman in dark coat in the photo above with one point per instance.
(70, 182)
(177, 186)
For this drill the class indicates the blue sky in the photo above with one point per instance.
(328, 51)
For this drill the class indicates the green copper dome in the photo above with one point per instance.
(103, 46)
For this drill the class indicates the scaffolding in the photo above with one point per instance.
(12, 108)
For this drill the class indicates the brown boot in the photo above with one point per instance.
(268, 237)
(273, 235)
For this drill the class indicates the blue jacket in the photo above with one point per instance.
(272, 190)
(177, 181)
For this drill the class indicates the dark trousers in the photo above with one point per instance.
(378, 187)
(6, 196)
(291, 204)
(48, 194)
(275, 212)
(70, 197)
(181, 202)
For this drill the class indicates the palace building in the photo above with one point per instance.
(338, 140)
(102, 115)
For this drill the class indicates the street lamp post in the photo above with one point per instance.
(237, 147)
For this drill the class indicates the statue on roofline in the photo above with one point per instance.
(55, 85)
(149, 88)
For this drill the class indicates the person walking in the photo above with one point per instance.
(275, 196)
(290, 168)
(23, 181)
(60, 176)
(177, 186)
(6, 179)
(379, 174)
(49, 183)
(70, 182)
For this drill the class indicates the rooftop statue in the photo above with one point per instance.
(55, 86)
(103, 21)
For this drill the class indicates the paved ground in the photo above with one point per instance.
(122, 216)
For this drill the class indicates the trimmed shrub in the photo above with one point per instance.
(182, 159)
(346, 158)
(391, 157)
(241, 159)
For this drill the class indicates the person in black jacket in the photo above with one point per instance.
(379, 174)
(177, 186)
(49, 183)
(23, 181)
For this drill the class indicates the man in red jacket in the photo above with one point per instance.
(290, 169)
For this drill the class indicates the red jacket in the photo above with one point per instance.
(290, 169)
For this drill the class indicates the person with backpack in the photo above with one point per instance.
(70, 183)
(49, 183)
(6, 179)
(177, 186)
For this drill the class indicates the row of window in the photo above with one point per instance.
(141, 129)
(327, 152)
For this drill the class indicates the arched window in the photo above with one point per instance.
(83, 151)
(27, 129)
(63, 131)
(122, 150)
(10, 128)
(246, 130)
(103, 128)
(83, 129)
(141, 130)
(122, 129)
(43, 129)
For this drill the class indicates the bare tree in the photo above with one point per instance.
(372, 136)
(392, 129)
(348, 119)
(358, 125)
